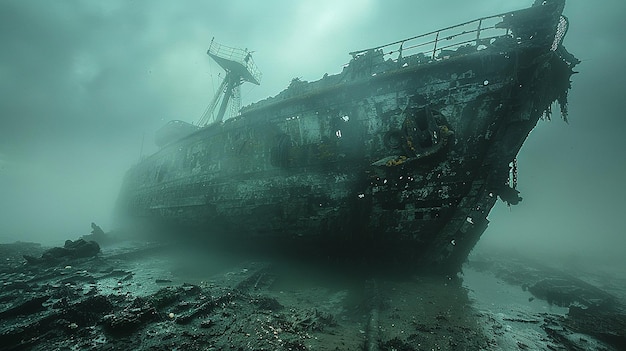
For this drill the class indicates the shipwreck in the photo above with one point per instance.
(402, 154)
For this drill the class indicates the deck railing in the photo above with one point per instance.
(478, 32)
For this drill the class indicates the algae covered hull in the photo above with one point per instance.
(404, 152)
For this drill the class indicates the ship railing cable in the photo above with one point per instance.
(207, 115)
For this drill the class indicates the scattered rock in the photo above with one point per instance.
(71, 250)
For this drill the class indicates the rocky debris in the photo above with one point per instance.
(594, 316)
(607, 324)
(565, 291)
(72, 249)
(112, 301)
(89, 302)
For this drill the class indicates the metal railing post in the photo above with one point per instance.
(435, 45)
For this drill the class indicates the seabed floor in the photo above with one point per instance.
(162, 297)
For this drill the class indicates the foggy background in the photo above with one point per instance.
(83, 82)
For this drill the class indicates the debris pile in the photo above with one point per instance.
(69, 299)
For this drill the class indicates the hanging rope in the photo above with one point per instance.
(208, 116)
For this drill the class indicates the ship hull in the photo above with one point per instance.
(405, 161)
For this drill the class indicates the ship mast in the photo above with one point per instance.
(239, 68)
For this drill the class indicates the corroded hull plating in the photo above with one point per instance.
(403, 156)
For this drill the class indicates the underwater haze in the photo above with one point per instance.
(84, 85)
